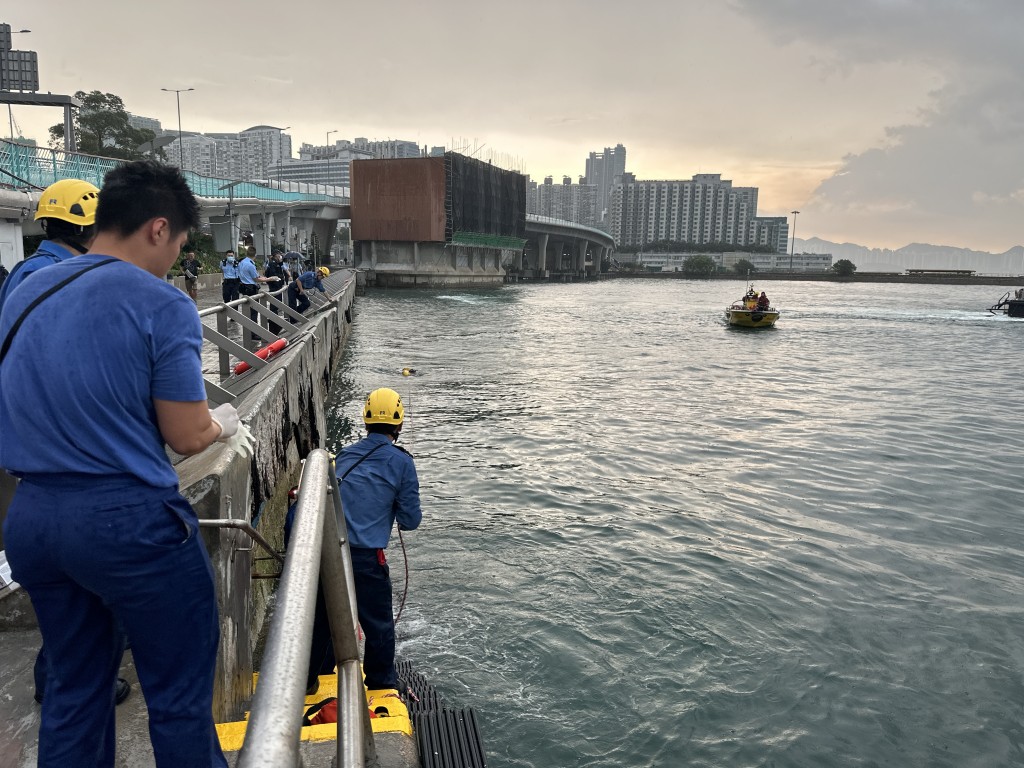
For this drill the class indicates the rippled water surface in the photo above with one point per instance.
(653, 540)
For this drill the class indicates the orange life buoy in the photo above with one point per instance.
(265, 353)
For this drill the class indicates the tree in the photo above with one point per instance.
(744, 267)
(101, 128)
(700, 265)
(844, 268)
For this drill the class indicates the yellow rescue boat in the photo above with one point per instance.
(752, 311)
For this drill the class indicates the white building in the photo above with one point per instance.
(704, 209)
(319, 165)
(762, 262)
(602, 168)
(566, 201)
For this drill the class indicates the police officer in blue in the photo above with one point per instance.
(97, 533)
(307, 281)
(379, 487)
(67, 214)
(229, 266)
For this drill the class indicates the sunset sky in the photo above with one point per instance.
(884, 122)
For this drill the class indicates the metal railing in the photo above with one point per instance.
(318, 549)
(22, 164)
(268, 307)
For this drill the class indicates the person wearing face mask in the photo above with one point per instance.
(229, 288)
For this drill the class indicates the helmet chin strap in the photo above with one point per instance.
(77, 246)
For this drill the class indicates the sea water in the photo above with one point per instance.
(650, 539)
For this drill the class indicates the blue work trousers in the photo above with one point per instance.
(373, 598)
(92, 551)
(297, 301)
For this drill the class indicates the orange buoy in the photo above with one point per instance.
(265, 353)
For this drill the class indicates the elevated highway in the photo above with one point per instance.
(561, 250)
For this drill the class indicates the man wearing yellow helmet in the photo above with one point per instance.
(67, 214)
(307, 281)
(379, 487)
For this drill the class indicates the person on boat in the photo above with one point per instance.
(379, 487)
(97, 532)
(762, 302)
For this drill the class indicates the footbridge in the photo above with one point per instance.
(284, 213)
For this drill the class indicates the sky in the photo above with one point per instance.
(883, 122)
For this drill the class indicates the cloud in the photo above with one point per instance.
(955, 174)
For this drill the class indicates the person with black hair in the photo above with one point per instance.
(98, 533)
(379, 487)
(67, 213)
(191, 267)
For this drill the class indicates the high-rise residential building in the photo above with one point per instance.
(705, 209)
(147, 123)
(601, 171)
(320, 164)
(565, 201)
(386, 150)
(262, 147)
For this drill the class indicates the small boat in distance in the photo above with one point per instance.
(1013, 307)
(752, 311)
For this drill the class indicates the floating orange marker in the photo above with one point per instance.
(265, 353)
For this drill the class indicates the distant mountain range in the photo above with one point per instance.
(918, 256)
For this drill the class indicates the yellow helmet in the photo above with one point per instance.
(324, 272)
(383, 406)
(70, 200)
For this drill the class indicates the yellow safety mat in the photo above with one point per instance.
(388, 715)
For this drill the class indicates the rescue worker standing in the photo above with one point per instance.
(250, 281)
(307, 281)
(67, 213)
(378, 486)
(97, 532)
(229, 288)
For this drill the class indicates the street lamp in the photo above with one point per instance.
(10, 112)
(327, 156)
(177, 95)
(793, 246)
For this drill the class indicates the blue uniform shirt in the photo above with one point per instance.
(247, 271)
(383, 488)
(48, 253)
(311, 280)
(78, 384)
(230, 270)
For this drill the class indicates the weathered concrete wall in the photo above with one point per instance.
(405, 264)
(285, 412)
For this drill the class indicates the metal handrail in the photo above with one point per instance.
(275, 721)
(263, 303)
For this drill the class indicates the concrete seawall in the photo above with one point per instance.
(284, 408)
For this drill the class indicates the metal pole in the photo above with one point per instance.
(181, 147)
(793, 246)
(355, 734)
(275, 722)
(327, 157)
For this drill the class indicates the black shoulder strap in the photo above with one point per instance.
(362, 458)
(41, 298)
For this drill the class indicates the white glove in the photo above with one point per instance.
(241, 442)
(232, 431)
(226, 417)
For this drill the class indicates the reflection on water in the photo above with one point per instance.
(652, 540)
